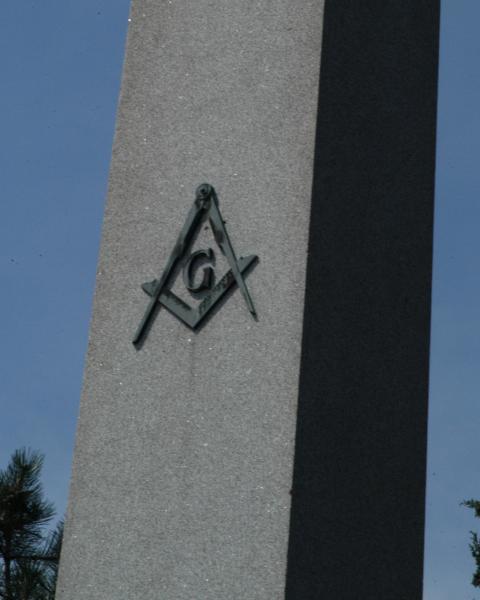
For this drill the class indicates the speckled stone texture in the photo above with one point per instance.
(183, 461)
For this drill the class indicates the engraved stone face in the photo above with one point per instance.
(160, 291)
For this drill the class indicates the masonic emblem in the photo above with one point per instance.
(204, 207)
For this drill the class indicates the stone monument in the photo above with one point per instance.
(267, 246)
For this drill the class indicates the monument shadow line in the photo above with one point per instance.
(358, 494)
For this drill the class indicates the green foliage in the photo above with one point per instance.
(474, 541)
(28, 554)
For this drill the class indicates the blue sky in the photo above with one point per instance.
(61, 63)
(454, 440)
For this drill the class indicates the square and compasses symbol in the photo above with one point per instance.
(211, 292)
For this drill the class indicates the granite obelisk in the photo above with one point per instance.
(283, 456)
